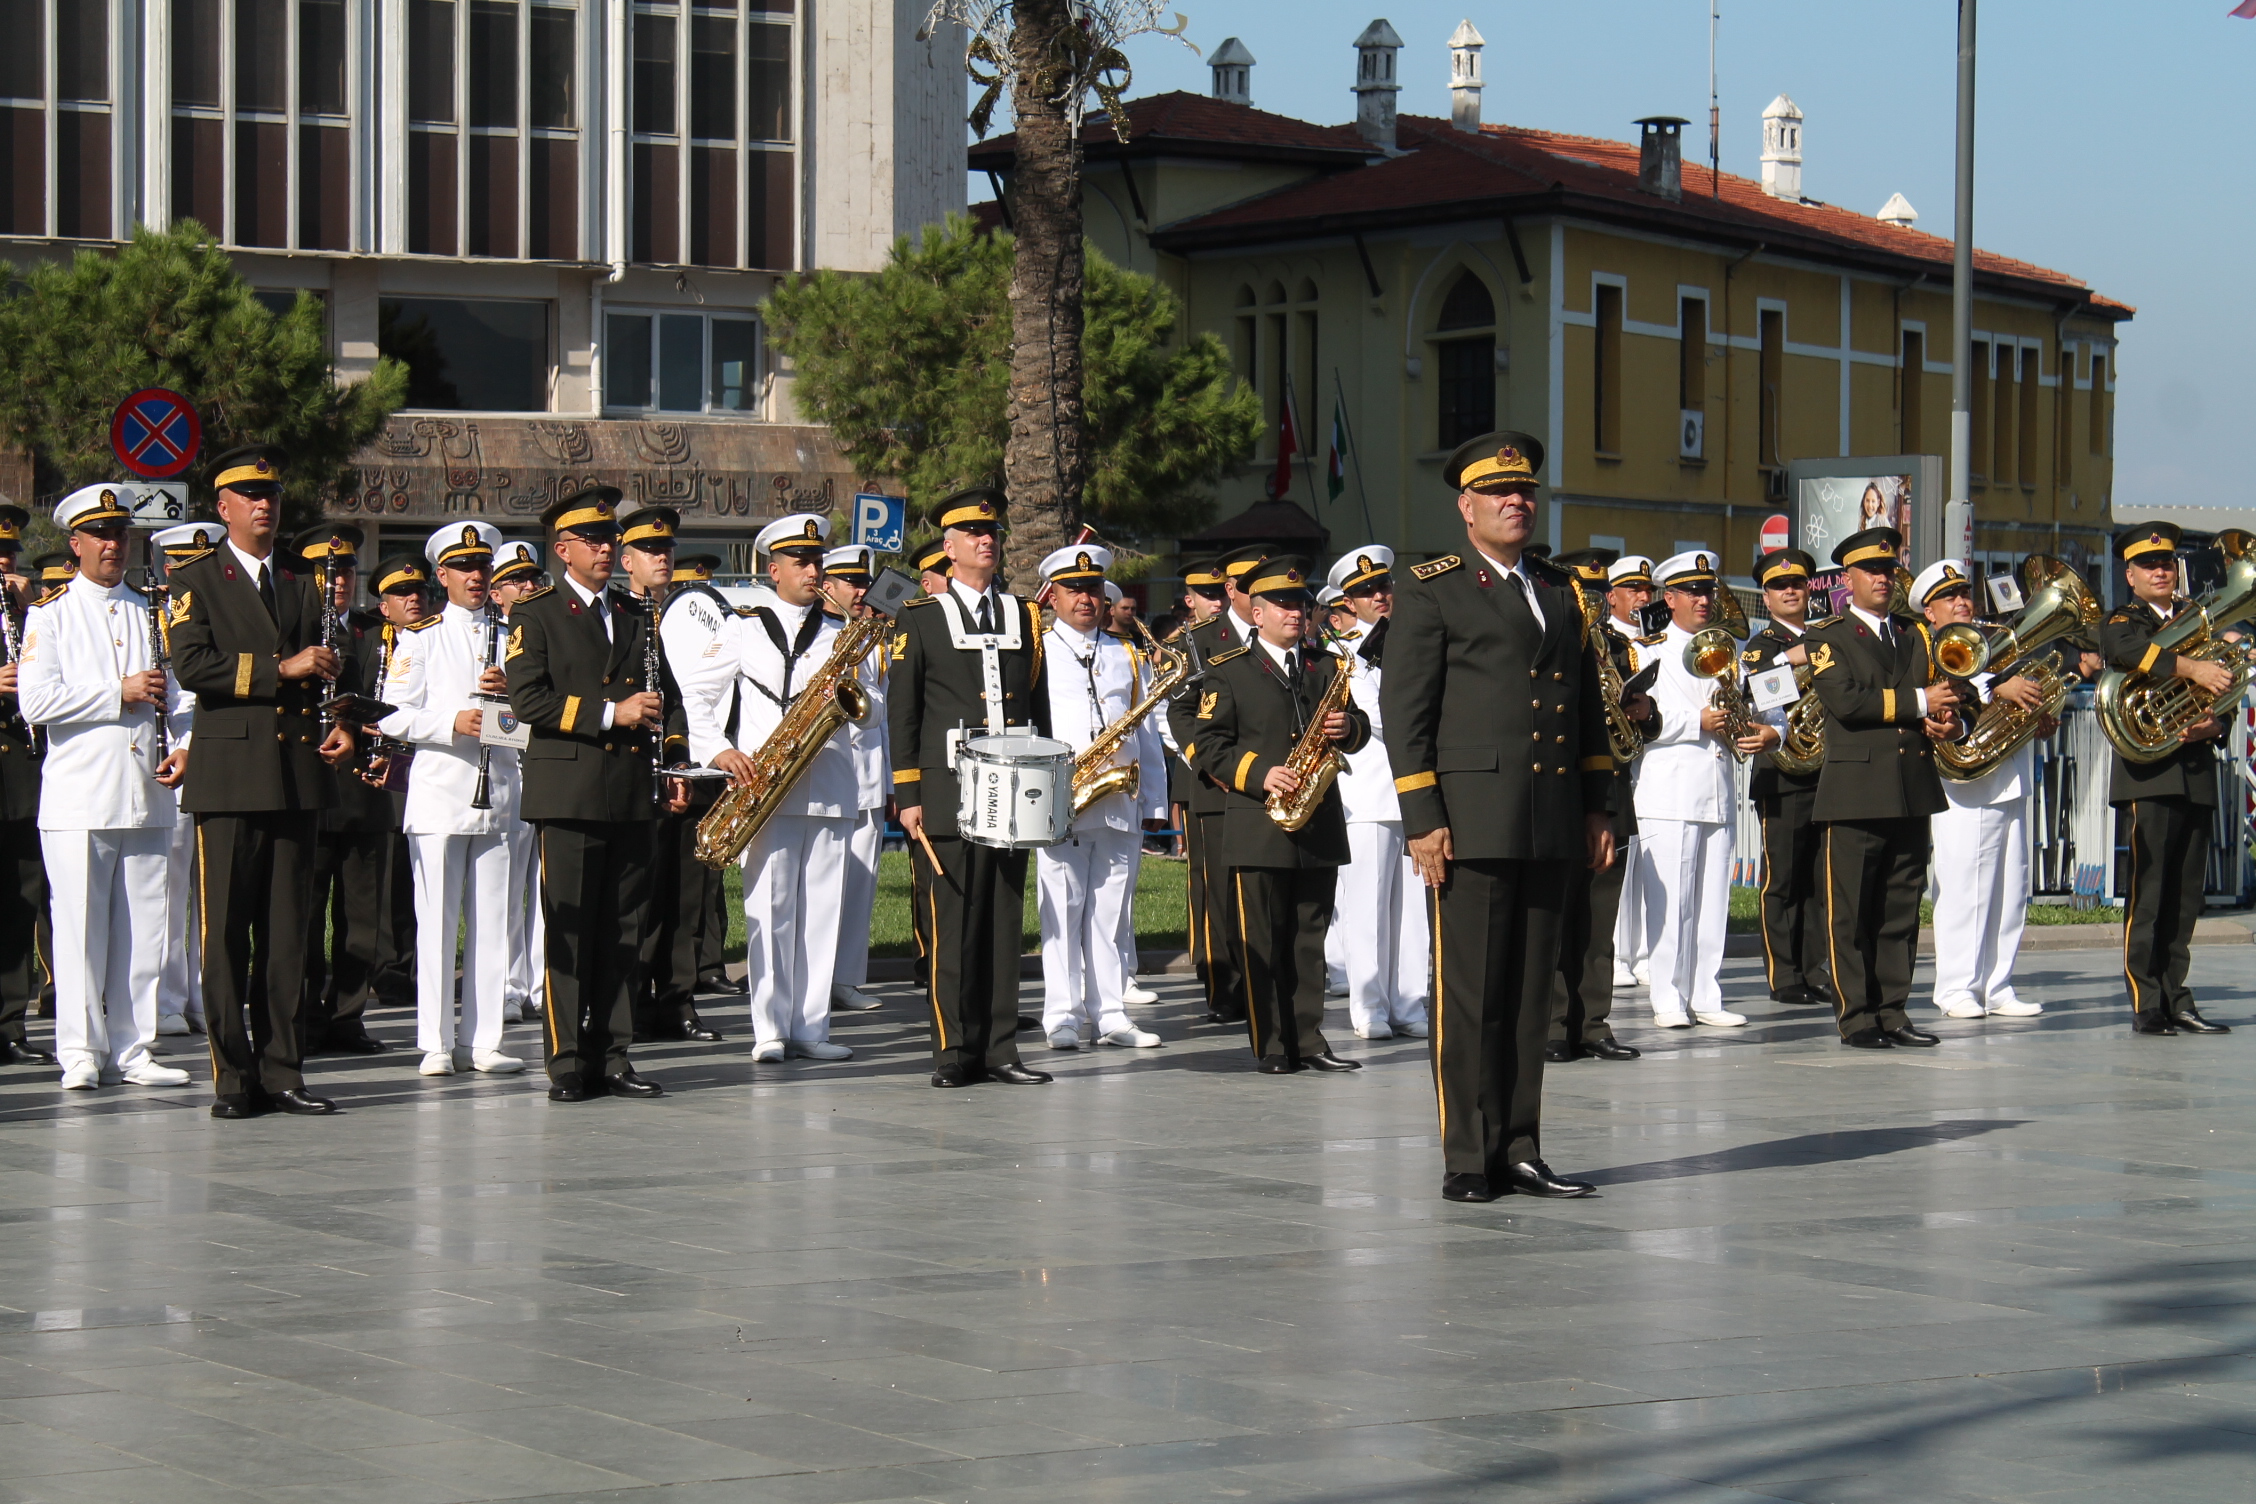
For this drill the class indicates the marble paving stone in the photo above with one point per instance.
(2018, 1269)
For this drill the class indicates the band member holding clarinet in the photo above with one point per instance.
(461, 804)
(23, 882)
(180, 990)
(847, 573)
(93, 683)
(517, 574)
(580, 664)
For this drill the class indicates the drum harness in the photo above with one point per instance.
(991, 646)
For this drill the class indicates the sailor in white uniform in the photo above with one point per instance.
(1629, 589)
(1120, 624)
(516, 574)
(1087, 884)
(847, 573)
(441, 667)
(795, 868)
(180, 985)
(107, 804)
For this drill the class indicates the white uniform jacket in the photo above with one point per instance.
(1093, 680)
(434, 676)
(2007, 783)
(100, 751)
(1684, 773)
(1366, 785)
(872, 748)
(829, 789)
(693, 634)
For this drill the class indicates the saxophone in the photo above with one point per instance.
(2147, 718)
(1093, 775)
(831, 699)
(2059, 606)
(1314, 757)
(1623, 738)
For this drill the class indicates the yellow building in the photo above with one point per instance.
(1676, 341)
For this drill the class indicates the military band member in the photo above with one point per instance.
(517, 574)
(945, 652)
(933, 566)
(1202, 600)
(1793, 893)
(2167, 806)
(1254, 704)
(180, 992)
(1686, 797)
(23, 882)
(91, 683)
(689, 623)
(1381, 922)
(246, 641)
(576, 666)
(440, 669)
(1493, 836)
(795, 868)
(54, 569)
(1629, 591)
(1087, 884)
(847, 573)
(1582, 997)
(1871, 671)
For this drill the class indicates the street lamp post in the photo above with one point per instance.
(1958, 514)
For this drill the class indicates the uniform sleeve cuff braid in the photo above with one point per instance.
(1411, 783)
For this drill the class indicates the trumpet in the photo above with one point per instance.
(1714, 654)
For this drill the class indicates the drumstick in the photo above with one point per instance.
(929, 854)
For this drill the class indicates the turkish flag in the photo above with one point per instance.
(1288, 439)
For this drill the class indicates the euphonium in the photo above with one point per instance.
(1801, 750)
(1623, 738)
(1713, 654)
(1958, 651)
(2059, 605)
(1094, 775)
(2147, 718)
(1314, 757)
(831, 699)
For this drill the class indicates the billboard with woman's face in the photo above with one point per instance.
(1834, 507)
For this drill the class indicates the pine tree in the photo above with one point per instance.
(169, 309)
(911, 369)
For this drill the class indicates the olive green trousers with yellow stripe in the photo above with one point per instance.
(1496, 930)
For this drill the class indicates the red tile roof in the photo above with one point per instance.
(1186, 124)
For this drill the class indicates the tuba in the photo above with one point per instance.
(2147, 718)
(2059, 606)
(1314, 757)
(1094, 775)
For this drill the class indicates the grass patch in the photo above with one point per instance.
(1746, 913)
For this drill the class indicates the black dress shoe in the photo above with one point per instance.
(1015, 1074)
(1911, 1038)
(357, 1042)
(2191, 1022)
(1532, 1177)
(627, 1084)
(1228, 1020)
(1029, 1024)
(720, 984)
(12, 1053)
(1466, 1188)
(2153, 1023)
(567, 1089)
(1559, 1052)
(1798, 997)
(1868, 1039)
(1609, 1049)
(1325, 1060)
(955, 1075)
(696, 1028)
(234, 1107)
(300, 1102)
(1276, 1067)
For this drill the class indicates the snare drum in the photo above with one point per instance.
(1017, 791)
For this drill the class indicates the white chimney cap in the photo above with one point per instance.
(1898, 211)
(1466, 36)
(1378, 34)
(1782, 108)
(1232, 53)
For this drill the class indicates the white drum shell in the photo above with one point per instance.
(1016, 792)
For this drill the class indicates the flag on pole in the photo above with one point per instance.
(1335, 470)
(2246, 10)
(1288, 445)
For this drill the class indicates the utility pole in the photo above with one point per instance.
(1958, 514)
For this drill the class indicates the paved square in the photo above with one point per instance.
(2017, 1267)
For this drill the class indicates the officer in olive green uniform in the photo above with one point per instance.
(576, 662)
(1497, 736)
(935, 691)
(23, 877)
(2166, 808)
(1871, 671)
(1793, 897)
(246, 641)
(1254, 704)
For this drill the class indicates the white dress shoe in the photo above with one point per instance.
(512, 1013)
(1067, 1038)
(816, 1049)
(82, 1078)
(1410, 1028)
(1641, 975)
(1132, 1039)
(149, 1073)
(495, 1063)
(1722, 1018)
(172, 1023)
(1672, 1020)
(1623, 976)
(853, 999)
(2013, 1007)
(1376, 1031)
(1965, 1005)
(1138, 997)
(767, 1054)
(437, 1063)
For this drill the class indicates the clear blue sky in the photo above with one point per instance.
(2106, 146)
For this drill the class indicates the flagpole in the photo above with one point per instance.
(1355, 453)
(1292, 405)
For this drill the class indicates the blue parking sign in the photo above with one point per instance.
(880, 521)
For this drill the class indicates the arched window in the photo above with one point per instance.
(1465, 363)
(1468, 305)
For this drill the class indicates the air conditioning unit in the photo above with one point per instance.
(1692, 434)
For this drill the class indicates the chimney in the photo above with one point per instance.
(1233, 72)
(1660, 156)
(1465, 46)
(1898, 211)
(1375, 85)
(1782, 150)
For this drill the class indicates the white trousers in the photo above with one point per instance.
(1687, 874)
(1087, 892)
(1633, 921)
(180, 983)
(1981, 900)
(1335, 951)
(1380, 922)
(527, 984)
(863, 844)
(794, 889)
(463, 878)
(107, 896)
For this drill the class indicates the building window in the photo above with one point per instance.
(713, 179)
(2064, 417)
(1978, 391)
(474, 356)
(68, 129)
(675, 361)
(1606, 372)
(2098, 403)
(2025, 444)
(493, 146)
(1910, 384)
(1770, 423)
(1465, 362)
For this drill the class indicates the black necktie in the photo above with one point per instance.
(1298, 684)
(266, 592)
(986, 614)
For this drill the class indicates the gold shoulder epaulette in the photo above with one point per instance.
(197, 557)
(918, 600)
(1658, 637)
(1232, 653)
(1819, 626)
(1432, 567)
(537, 594)
(426, 624)
(53, 594)
(2120, 615)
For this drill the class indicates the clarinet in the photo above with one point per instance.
(12, 644)
(652, 681)
(329, 629)
(483, 798)
(160, 654)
